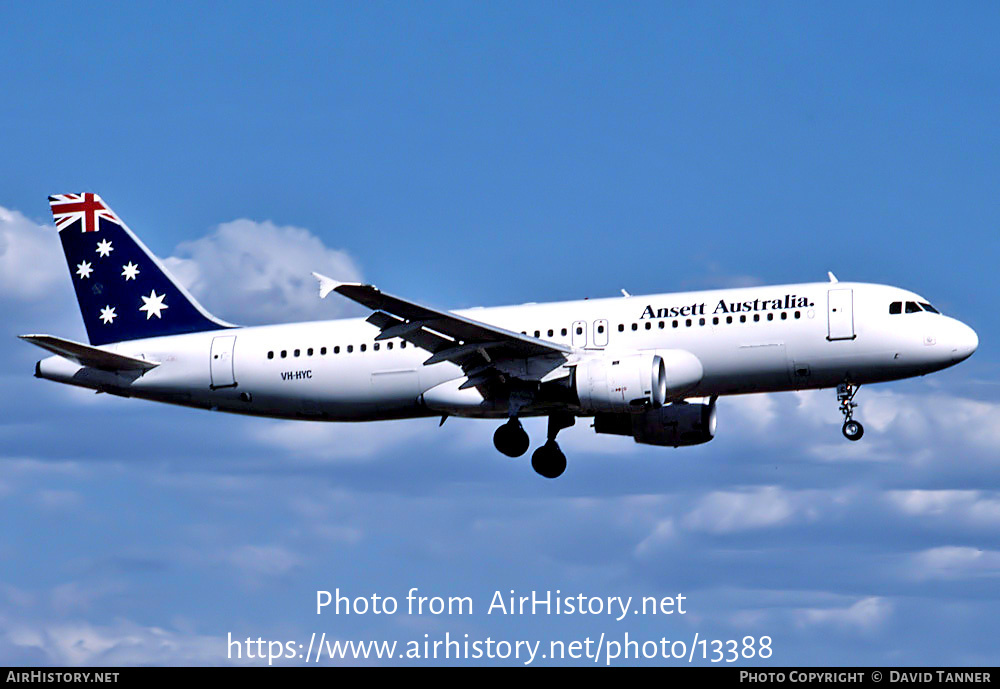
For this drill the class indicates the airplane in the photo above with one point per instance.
(647, 367)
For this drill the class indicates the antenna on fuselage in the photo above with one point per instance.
(833, 278)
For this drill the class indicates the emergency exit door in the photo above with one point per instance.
(840, 314)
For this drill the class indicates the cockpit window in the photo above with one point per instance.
(896, 307)
(911, 307)
(928, 307)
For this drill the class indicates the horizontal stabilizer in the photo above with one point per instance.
(85, 355)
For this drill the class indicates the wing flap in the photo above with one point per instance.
(85, 355)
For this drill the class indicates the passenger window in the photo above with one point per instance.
(928, 307)
(297, 352)
(537, 333)
(551, 332)
(388, 345)
(600, 329)
(270, 355)
(563, 331)
(350, 348)
(284, 353)
(322, 351)
(911, 307)
(336, 350)
(309, 351)
(635, 326)
(621, 328)
(375, 346)
(364, 347)
(663, 324)
(649, 326)
(895, 307)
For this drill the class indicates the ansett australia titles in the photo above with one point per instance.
(508, 602)
(787, 301)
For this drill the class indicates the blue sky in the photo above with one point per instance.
(486, 153)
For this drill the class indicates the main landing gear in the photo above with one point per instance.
(852, 430)
(548, 460)
(511, 439)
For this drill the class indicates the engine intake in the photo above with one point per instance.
(675, 425)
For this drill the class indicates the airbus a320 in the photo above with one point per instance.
(647, 367)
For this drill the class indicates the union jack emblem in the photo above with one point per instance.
(68, 208)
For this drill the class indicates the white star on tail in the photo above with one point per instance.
(84, 269)
(108, 314)
(104, 247)
(130, 271)
(153, 304)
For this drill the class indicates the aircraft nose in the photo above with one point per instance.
(964, 341)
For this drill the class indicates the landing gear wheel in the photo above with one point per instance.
(853, 430)
(511, 439)
(548, 460)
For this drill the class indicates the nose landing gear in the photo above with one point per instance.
(852, 430)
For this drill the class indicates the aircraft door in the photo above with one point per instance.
(840, 314)
(222, 362)
(601, 333)
(579, 333)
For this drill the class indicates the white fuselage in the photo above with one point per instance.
(753, 339)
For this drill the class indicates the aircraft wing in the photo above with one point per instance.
(471, 344)
(85, 355)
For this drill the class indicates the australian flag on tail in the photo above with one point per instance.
(124, 292)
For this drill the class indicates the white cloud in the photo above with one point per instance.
(970, 507)
(338, 442)
(727, 512)
(866, 614)
(665, 532)
(31, 260)
(955, 562)
(121, 643)
(252, 272)
(263, 561)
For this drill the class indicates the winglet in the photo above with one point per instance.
(326, 285)
(833, 278)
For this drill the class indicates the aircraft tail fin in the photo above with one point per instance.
(124, 291)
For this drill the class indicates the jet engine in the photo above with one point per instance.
(677, 424)
(619, 382)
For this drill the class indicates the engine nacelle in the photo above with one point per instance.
(619, 382)
(677, 424)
